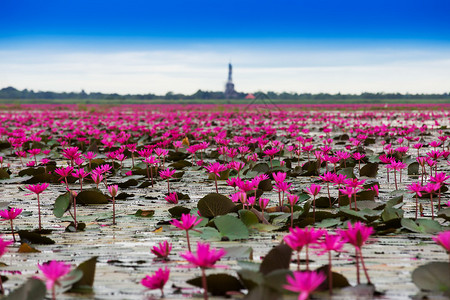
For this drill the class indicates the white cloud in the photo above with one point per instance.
(187, 70)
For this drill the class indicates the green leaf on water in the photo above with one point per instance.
(214, 204)
(277, 258)
(433, 276)
(218, 284)
(32, 289)
(231, 227)
(421, 225)
(91, 196)
(86, 282)
(248, 218)
(62, 203)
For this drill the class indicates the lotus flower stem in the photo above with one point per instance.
(205, 285)
(358, 281)
(364, 267)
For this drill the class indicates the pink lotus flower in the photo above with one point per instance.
(38, 189)
(417, 189)
(302, 237)
(157, 280)
(10, 215)
(162, 250)
(304, 283)
(205, 258)
(64, 173)
(3, 249)
(279, 176)
(443, 239)
(53, 271)
(172, 198)
(167, 174)
(313, 190)
(216, 168)
(187, 223)
(357, 235)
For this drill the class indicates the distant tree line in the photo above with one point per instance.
(12, 93)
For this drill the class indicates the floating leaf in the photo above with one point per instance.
(239, 252)
(433, 276)
(250, 277)
(231, 227)
(32, 289)
(123, 196)
(265, 185)
(421, 225)
(144, 213)
(248, 217)
(261, 168)
(444, 213)
(347, 172)
(71, 228)
(218, 284)
(92, 196)
(34, 238)
(62, 204)
(390, 213)
(223, 175)
(4, 173)
(277, 258)
(178, 210)
(179, 165)
(215, 205)
(369, 170)
(413, 168)
(86, 282)
(263, 293)
(25, 248)
(209, 234)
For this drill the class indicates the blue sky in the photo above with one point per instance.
(181, 46)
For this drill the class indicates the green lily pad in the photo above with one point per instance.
(231, 227)
(86, 282)
(32, 289)
(421, 225)
(434, 276)
(215, 205)
(369, 170)
(91, 196)
(218, 284)
(248, 217)
(62, 204)
(277, 258)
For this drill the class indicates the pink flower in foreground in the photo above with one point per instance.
(37, 188)
(172, 198)
(162, 250)
(3, 245)
(356, 234)
(3, 249)
(304, 283)
(10, 215)
(187, 223)
(167, 173)
(443, 239)
(113, 190)
(53, 271)
(205, 257)
(157, 280)
(314, 189)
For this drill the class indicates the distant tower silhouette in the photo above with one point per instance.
(229, 87)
